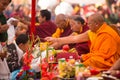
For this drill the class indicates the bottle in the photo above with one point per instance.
(51, 55)
(76, 68)
(61, 67)
(71, 60)
(79, 69)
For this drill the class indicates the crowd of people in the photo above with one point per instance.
(96, 37)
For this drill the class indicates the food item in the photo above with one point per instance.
(66, 70)
(65, 47)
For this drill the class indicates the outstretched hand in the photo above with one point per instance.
(54, 42)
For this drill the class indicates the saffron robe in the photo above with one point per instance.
(104, 49)
(45, 29)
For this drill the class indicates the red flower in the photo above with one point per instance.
(27, 58)
(31, 73)
(26, 67)
(20, 73)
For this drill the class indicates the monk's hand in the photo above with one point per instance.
(54, 42)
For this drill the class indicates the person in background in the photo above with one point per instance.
(104, 48)
(4, 70)
(46, 27)
(15, 28)
(79, 26)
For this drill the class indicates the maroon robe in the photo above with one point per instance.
(67, 32)
(45, 29)
(82, 48)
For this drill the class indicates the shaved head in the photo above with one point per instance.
(97, 18)
(60, 20)
(60, 17)
(95, 21)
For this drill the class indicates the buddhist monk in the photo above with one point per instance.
(78, 26)
(104, 48)
(46, 27)
(63, 26)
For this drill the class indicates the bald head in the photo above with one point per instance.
(60, 20)
(95, 21)
(97, 18)
(60, 17)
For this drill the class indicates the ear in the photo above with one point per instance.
(44, 18)
(20, 45)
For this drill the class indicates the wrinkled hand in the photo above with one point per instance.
(54, 42)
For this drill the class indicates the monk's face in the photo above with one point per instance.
(92, 24)
(61, 23)
(3, 4)
(75, 26)
(41, 19)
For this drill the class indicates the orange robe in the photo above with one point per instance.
(104, 49)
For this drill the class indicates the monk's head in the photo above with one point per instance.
(45, 15)
(77, 23)
(61, 21)
(4, 4)
(95, 21)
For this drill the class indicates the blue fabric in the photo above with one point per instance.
(14, 74)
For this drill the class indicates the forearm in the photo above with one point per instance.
(116, 65)
(74, 39)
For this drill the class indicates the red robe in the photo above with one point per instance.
(82, 48)
(45, 29)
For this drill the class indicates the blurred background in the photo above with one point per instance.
(110, 9)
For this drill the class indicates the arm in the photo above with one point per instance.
(116, 66)
(56, 42)
(74, 39)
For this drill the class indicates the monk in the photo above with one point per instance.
(46, 27)
(63, 26)
(104, 48)
(78, 26)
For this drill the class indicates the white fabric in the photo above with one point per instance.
(35, 64)
(4, 70)
(64, 8)
(19, 52)
(11, 30)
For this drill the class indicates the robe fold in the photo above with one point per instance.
(45, 29)
(104, 49)
(82, 48)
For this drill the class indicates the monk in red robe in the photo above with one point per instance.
(79, 26)
(63, 26)
(46, 27)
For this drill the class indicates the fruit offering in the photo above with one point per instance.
(66, 70)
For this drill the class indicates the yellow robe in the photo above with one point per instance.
(104, 49)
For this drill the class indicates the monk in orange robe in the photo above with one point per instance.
(105, 47)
